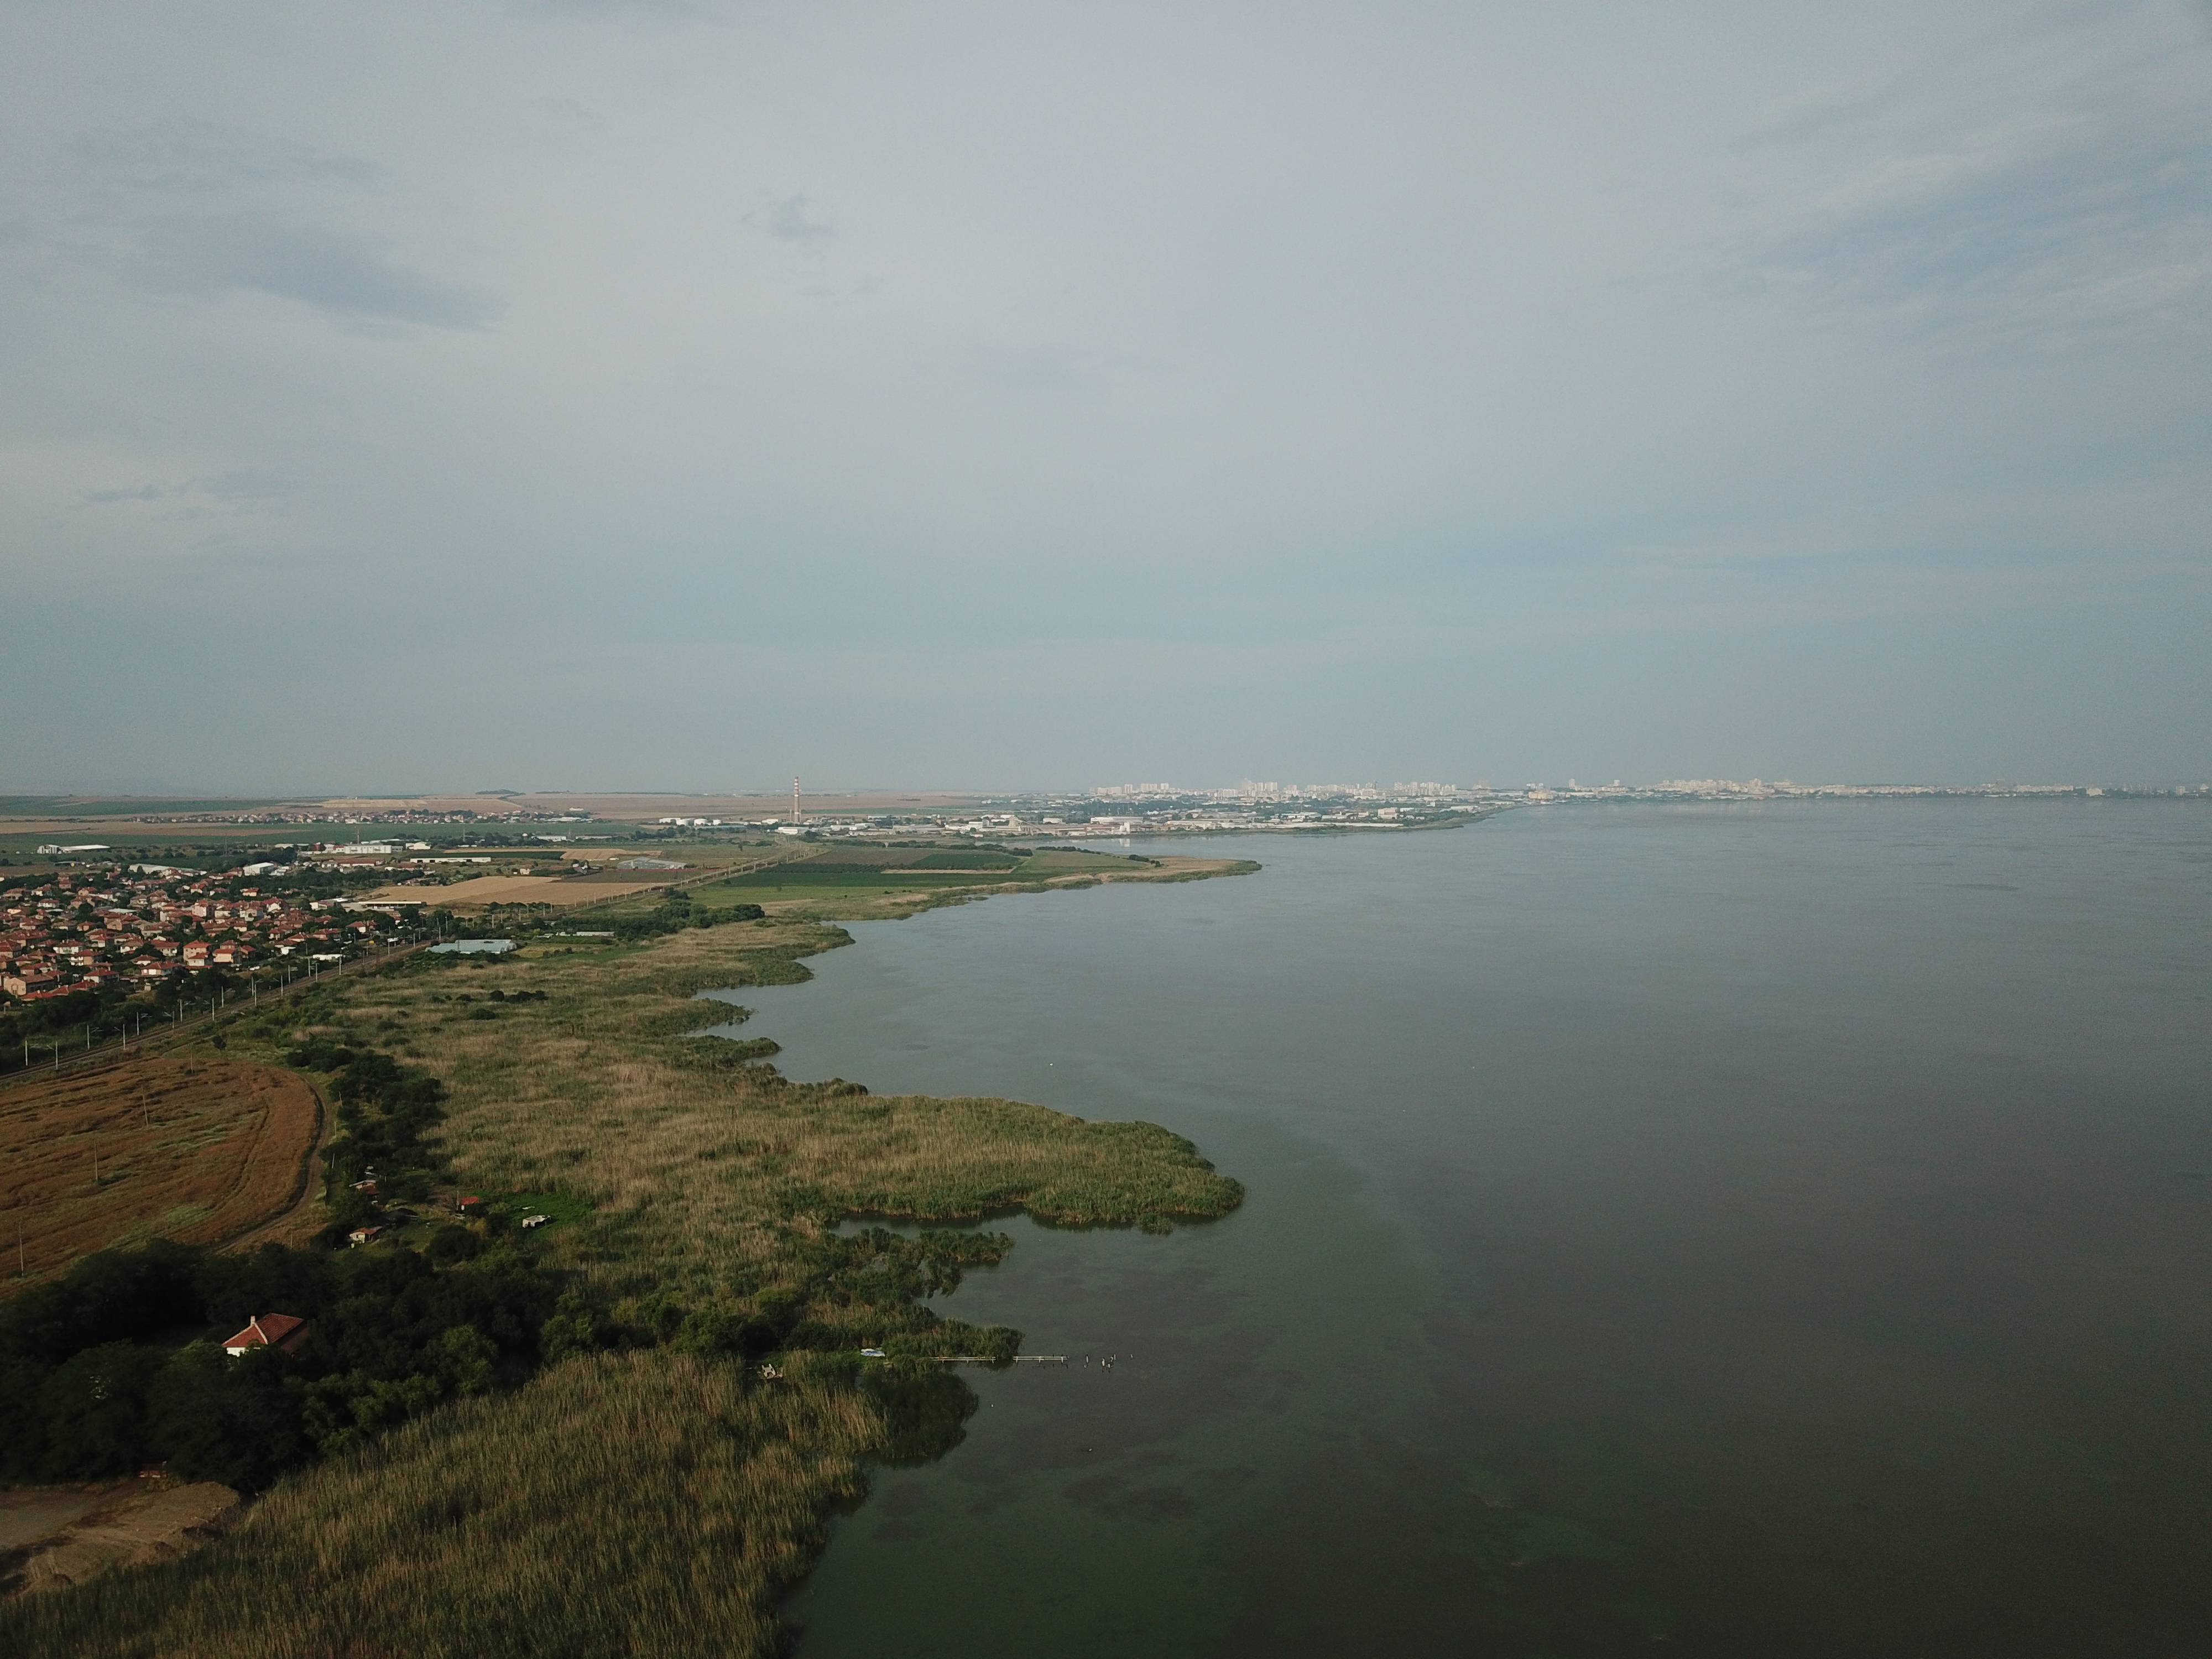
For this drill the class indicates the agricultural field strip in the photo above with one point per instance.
(223, 1140)
(483, 891)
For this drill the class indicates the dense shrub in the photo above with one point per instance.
(118, 1363)
(386, 1113)
(677, 912)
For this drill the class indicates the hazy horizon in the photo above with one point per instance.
(1319, 788)
(680, 396)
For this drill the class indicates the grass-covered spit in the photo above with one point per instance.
(706, 1171)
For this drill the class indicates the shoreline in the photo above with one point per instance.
(1458, 819)
(712, 1182)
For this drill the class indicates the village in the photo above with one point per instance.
(103, 927)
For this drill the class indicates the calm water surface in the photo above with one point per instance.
(1719, 1231)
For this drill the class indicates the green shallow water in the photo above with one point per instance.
(1730, 1230)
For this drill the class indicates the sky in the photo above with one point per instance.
(545, 394)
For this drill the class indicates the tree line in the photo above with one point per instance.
(120, 1363)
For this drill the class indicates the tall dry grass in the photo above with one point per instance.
(703, 1169)
(640, 1503)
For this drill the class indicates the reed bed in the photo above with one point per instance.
(640, 1503)
(705, 1168)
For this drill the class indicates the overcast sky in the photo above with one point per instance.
(685, 396)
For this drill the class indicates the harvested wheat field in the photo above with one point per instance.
(478, 892)
(193, 1149)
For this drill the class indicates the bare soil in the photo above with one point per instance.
(30, 1513)
(136, 1524)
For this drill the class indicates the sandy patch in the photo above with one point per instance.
(141, 1526)
(30, 1513)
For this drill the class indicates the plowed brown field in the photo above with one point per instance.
(191, 1149)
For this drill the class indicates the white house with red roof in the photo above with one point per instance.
(269, 1330)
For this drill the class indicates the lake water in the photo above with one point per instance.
(1744, 1231)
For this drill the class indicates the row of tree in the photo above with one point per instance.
(387, 1116)
(677, 912)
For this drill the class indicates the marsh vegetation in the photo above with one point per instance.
(702, 1314)
(846, 883)
(637, 1502)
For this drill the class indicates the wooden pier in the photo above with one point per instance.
(988, 1359)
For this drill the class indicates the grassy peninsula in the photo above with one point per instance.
(703, 1164)
(698, 1405)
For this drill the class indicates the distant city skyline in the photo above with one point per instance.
(747, 805)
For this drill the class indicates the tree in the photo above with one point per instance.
(236, 1420)
(576, 1326)
(464, 1358)
(94, 1409)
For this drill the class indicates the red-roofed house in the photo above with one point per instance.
(282, 1331)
